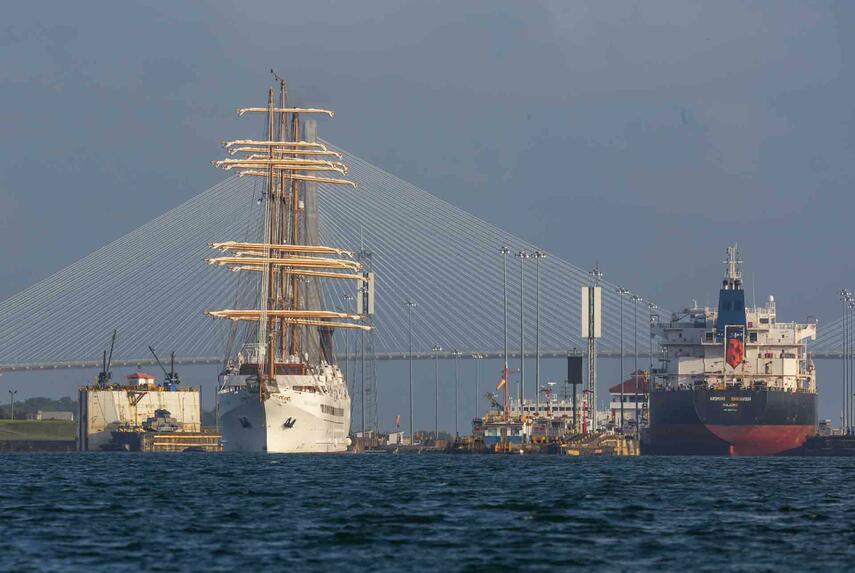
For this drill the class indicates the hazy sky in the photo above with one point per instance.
(644, 135)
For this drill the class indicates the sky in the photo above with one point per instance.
(641, 136)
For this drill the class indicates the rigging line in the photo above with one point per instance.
(230, 331)
(67, 284)
(62, 279)
(529, 303)
(424, 238)
(578, 271)
(34, 316)
(377, 254)
(546, 325)
(84, 309)
(336, 287)
(378, 258)
(438, 270)
(551, 325)
(118, 278)
(417, 193)
(380, 262)
(400, 272)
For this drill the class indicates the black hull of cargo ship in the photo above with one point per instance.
(834, 446)
(729, 422)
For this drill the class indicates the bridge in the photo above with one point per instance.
(153, 286)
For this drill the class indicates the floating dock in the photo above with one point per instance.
(104, 409)
(166, 442)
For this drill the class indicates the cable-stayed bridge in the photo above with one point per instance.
(153, 285)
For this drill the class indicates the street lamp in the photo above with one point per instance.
(844, 297)
(504, 252)
(522, 256)
(362, 290)
(622, 292)
(410, 305)
(456, 354)
(538, 255)
(513, 371)
(347, 297)
(635, 300)
(12, 404)
(850, 358)
(596, 277)
(848, 373)
(477, 358)
(436, 349)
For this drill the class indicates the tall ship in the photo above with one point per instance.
(281, 389)
(733, 381)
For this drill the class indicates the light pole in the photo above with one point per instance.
(848, 373)
(538, 255)
(505, 251)
(596, 277)
(362, 290)
(477, 358)
(12, 404)
(851, 357)
(347, 297)
(436, 349)
(456, 354)
(344, 370)
(635, 300)
(410, 305)
(522, 255)
(622, 292)
(844, 422)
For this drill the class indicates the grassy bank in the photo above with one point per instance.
(15, 430)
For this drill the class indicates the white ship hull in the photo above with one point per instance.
(302, 414)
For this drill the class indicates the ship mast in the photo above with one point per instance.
(733, 276)
(283, 226)
(294, 347)
(274, 211)
(285, 162)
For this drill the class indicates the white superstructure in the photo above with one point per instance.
(764, 353)
(307, 412)
(775, 355)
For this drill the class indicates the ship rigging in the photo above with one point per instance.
(290, 368)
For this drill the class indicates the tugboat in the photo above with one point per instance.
(734, 380)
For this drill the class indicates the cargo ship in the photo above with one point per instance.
(281, 390)
(733, 380)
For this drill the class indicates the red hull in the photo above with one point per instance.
(744, 440)
(756, 440)
(736, 422)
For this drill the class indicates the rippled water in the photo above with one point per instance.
(178, 512)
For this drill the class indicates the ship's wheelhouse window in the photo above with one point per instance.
(752, 337)
(764, 321)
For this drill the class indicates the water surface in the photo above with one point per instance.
(231, 512)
